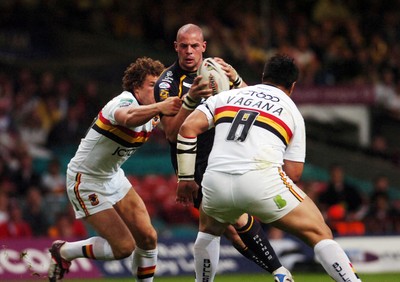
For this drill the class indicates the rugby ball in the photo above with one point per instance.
(212, 72)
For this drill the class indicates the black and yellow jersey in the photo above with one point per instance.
(175, 81)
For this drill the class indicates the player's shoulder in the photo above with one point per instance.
(125, 98)
(169, 74)
(167, 79)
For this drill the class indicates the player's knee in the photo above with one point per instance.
(149, 239)
(124, 249)
(320, 232)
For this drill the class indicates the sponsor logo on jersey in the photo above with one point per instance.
(168, 77)
(125, 102)
(164, 85)
(123, 152)
(188, 85)
(164, 94)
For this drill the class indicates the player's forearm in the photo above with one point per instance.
(172, 124)
(136, 116)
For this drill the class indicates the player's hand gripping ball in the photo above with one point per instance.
(212, 72)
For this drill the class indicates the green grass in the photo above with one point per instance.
(300, 277)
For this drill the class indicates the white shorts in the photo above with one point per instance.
(267, 194)
(89, 195)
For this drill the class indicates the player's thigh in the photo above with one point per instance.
(210, 225)
(134, 213)
(306, 222)
(109, 225)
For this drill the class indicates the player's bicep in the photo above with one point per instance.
(120, 115)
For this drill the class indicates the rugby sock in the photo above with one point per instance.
(144, 264)
(335, 261)
(249, 254)
(259, 248)
(94, 248)
(206, 256)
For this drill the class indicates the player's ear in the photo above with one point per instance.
(176, 46)
(204, 46)
(292, 88)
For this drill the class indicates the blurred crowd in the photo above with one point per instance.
(333, 41)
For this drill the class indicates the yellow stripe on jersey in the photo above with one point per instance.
(122, 135)
(264, 120)
(181, 79)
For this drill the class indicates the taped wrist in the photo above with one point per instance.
(186, 155)
(189, 103)
(238, 82)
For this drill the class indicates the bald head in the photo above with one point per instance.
(192, 29)
(190, 46)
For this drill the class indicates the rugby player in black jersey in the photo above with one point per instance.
(180, 79)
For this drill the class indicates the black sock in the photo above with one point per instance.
(259, 247)
(249, 254)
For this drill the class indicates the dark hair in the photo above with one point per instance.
(137, 71)
(280, 70)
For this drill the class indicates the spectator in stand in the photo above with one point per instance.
(6, 184)
(331, 10)
(6, 119)
(63, 94)
(16, 226)
(48, 108)
(89, 101)
(379, 146)
(4, 200)
(306, 59)
(67, 131)
(34, 134)
(35, 212)
(53, 179)
(25, 176)
(67, 227)
(380, 186)
(381, 217)
(385, 88)
(53, 183)
(340, 195)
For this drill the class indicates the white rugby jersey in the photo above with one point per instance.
(255, 127)
(108, 145)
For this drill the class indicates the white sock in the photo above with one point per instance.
(206, 256)
(144, 264)
(94, 248)
(335, 261)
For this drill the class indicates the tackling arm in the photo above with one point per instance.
(195, 124)
(172, 124)
(139, 115)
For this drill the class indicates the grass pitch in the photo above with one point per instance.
(300, 277)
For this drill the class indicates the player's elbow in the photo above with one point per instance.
(293, 169)
(183, 129)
